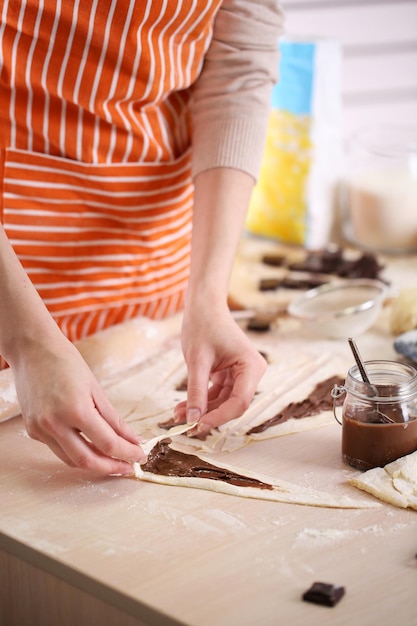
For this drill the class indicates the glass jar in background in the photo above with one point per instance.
(379, 193)
(379, 419)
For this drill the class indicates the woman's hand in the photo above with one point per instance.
(64, 406)
(224, 369)
(216, 350)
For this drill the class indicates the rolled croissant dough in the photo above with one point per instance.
(396, 483)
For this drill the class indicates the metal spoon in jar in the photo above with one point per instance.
(362, 369)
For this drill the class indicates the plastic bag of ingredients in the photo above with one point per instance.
(294, 198)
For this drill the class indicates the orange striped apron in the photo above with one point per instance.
(95, 176)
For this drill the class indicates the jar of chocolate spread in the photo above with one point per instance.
(379, 418)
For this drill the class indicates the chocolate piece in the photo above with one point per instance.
(276, 260)
(324, 594)
(321, 262)
(269, 284)
(365, 266)
(301, 283)
(333, 262)
(318, 401)
(259, 324)
(272, 284)
(164, 461)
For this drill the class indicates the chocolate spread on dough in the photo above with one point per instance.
(319, 400)
(164, 461)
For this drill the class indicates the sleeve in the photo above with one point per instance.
(231, 98)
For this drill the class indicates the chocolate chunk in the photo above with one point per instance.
(301, 283)
(276, 260)
(269, 284)
(333, 262)
(259, 324)
(324, 593)
(321, 261)
(366, 266)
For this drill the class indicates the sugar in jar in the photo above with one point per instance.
(379, 418)
(379, 194)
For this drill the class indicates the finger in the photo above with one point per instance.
(57, 450)
(106, 409)
(214, 392)
(197, 387)
(109, 443)
(218, 393)
(76, 451)
(228, 410)
(232, 404)
(202, 429)
(180, 413)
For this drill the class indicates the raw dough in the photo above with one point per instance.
(282, 491)
(283, 383)
(116, 355)
(396, 483)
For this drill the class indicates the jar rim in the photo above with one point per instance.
(383, 391)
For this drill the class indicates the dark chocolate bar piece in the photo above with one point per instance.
(276, 260)
(301, 283)
(324, 593)
(259, 324)
(269, 284)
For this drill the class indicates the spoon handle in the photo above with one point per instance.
(359, 361)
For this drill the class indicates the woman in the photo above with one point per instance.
(121, 125)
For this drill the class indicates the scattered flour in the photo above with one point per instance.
(324, 536)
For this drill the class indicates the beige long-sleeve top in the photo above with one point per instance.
(232, 95)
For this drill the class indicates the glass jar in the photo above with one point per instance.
(379, 194)
(379, 418)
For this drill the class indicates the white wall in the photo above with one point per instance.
(379, 45)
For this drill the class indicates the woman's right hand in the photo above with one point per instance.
(64, 406)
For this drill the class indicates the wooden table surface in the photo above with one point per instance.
(131, 553)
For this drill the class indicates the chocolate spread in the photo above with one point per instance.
(319, 400)
(367, 444)
(164, 461)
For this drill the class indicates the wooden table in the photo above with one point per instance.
(77, 549)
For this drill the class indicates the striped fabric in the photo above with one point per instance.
(95, 151)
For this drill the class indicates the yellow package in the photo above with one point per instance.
(293, 200)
